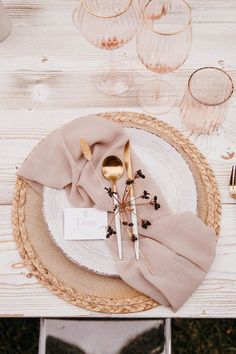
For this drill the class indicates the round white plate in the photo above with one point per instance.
(165, 165)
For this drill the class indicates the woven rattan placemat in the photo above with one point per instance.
(77, 285)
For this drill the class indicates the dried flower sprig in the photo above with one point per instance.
(110, 231)
(110, 192)
(146, 223)
(155, 203)
(139, 174)
(145, 195)
(124, 205)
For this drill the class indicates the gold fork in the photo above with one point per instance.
(232, 182)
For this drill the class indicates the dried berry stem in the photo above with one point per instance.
(124, 193)
(127, 194)
(139, 204)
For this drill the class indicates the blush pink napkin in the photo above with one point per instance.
(179, 249)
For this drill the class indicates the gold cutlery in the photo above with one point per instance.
(134, 219)
(232, 183)
(112, 170)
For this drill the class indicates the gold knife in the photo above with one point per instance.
(134, 219)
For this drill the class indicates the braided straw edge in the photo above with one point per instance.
(95, 303)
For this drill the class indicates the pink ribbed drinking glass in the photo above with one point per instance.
(206, 100)
(162, 4)
(109, 24)
(163, 45)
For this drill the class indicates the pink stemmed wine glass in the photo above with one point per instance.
(109, 24)
(163, 45)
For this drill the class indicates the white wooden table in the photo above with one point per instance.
(45, 81)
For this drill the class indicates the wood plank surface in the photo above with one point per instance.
(46, 70)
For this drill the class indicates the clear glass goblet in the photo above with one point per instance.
(163, 45)
(109, 24)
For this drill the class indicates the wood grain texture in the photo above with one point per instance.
(46, 70)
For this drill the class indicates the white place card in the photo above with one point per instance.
(84, 224)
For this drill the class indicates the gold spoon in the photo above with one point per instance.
(112, 170)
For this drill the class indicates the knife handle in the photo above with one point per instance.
(117, 225)
(134, 220)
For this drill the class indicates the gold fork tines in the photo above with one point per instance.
(232, 182)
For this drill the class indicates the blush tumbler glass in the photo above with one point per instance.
(205, 103)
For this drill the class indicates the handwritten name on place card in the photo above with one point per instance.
(84, 224)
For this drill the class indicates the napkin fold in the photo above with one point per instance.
(176, 250)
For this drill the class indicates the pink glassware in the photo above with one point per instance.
(163, 45)
(205, 103)
(109, 24)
